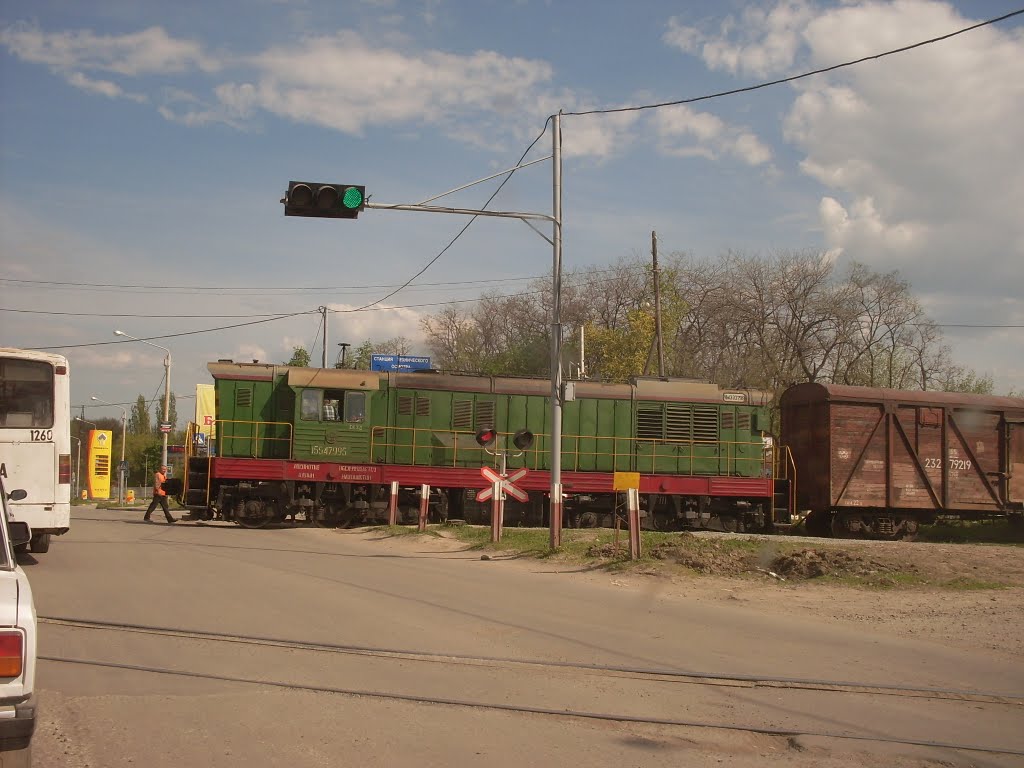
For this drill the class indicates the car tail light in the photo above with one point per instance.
(64, 469)
(11, 653)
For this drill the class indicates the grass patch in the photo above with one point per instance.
(668, 554)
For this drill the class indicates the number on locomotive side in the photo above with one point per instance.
(41, 435)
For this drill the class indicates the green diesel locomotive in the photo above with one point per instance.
(328, 445)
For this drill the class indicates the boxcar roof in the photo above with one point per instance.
(819, 392)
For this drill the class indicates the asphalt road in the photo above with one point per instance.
(214, 645)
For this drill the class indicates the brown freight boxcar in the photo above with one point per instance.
(879, 462)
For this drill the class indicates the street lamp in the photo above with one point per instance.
(78, 462)
(120, 467)
(167, 385)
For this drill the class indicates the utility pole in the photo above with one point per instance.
(657, 305)
(555, 506)
(323, 357)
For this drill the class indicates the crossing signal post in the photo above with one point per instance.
(501, 483)
(324, 201)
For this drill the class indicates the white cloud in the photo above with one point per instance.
(343, 82)
(375, 325)
(73, 54)
(683, 132)
(150, 51)
(919, 150)
(759, 42)
(598, 135)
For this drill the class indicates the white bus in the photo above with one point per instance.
(35, 440)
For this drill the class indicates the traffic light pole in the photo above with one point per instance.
(555, 461)
(555, 506)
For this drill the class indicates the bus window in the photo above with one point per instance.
(355, 406)
(26, 393)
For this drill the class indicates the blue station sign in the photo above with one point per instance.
(399, 363)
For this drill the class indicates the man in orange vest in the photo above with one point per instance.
(159, 496)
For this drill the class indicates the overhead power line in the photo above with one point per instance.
(262, 289)
(790, 79)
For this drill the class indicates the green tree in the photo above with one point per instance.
(619, 353)
(361, 357)
(138, 418)
(158, 413)
(299, 358)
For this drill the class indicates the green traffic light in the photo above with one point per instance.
(352, 199)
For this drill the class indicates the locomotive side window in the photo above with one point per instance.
(310, 409)
(355, 407)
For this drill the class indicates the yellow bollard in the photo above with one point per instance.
(129, 496)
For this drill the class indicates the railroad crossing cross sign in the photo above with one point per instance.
(506, 484)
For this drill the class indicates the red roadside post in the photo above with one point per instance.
(424, 503)
(393, 504)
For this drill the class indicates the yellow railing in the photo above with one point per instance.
(226, 434)
(628, 450)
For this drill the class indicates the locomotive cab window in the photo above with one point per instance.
(311, 402)
(333, 405)
(355, 407)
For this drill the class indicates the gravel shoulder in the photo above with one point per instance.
(968, 596)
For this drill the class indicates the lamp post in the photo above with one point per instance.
(120, 467)
(78, 463)
(167, 385)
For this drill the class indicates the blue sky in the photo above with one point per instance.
(149, 144)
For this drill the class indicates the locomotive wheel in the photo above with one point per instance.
(258, 515)
(587, 520)
(328, 518)
(732, 523)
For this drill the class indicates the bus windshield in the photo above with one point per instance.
(26, 394)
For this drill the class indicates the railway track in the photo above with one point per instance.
(648, 694)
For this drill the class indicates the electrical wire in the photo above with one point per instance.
(176, 335)
(790, 79)
(321, 288)
(462, 231)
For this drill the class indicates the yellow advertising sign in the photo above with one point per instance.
(206, 404)
(623, 481)
(98, 467)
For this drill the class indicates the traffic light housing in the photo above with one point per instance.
(324, 201)
(522, 439)
(487, 436)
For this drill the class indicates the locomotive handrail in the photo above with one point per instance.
(190, 434)
(784, 468)
(223, 436)
(383, 438)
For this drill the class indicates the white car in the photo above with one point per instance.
(17, 643)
